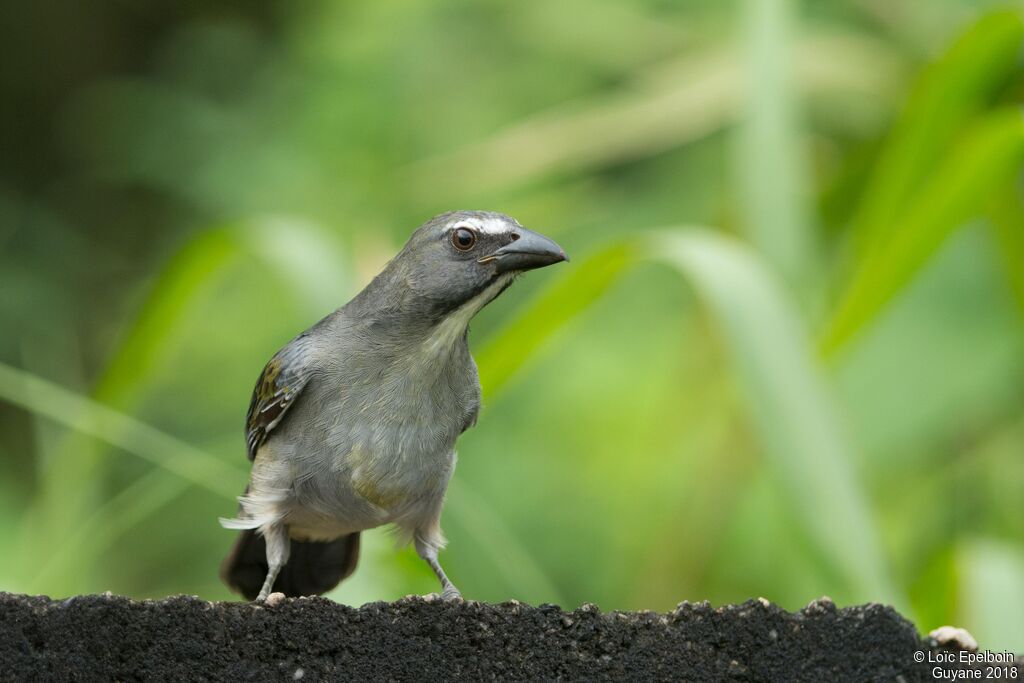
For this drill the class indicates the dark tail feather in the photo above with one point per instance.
(313, 567)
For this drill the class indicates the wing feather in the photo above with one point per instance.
(276, 391)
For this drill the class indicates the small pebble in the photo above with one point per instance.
(946, 635)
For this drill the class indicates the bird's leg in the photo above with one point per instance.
(428, 551)
(278, 546)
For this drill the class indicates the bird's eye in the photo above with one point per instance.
(463, 239)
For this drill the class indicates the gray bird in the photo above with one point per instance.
(353, 423)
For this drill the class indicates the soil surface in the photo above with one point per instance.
(110, 638)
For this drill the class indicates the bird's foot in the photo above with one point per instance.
(447, 595)
(271, 600)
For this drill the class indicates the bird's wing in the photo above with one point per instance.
(276, 391)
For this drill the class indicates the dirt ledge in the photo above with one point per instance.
(105, 637)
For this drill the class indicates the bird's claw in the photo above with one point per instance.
(272, 600)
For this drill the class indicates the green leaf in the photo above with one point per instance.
(58, 560)
(519, 341)
(670, 104)
(188, 273)
(71, 478)
(952, 91)
(770, 165)
(1007, 217)
(990, 153)
(807, 447)
(124, 432)
(791, 403)
(301, 257)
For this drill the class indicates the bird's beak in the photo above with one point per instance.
(531, 250)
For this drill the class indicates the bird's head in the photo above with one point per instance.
(464, 259)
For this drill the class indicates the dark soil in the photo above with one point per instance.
(109, 638)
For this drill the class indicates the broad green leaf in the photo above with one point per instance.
(985, 158)
(188, 273)
(952, 91)
(300, 256)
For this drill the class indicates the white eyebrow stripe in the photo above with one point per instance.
(488, 226)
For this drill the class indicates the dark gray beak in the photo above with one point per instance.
(531, 250)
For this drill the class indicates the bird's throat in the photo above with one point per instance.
(446, 335)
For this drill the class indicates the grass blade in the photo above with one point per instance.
(987, 157)
(1007, 217)
(769, 159)
(949, 94)
(86, 416)
(186, 275)
(666, 106)
(302, 258)
(791, 405)
(93, 537)
(153, 490)
(519, 341)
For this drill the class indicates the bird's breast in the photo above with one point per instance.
(389, 425)
(392, 461)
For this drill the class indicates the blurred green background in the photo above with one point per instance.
(787, 359)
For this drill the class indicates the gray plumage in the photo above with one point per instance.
(353, 423)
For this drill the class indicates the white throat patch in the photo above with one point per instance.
(454, 326)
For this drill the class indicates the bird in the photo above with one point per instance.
(352, 424)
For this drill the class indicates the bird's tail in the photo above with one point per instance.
(313, 567)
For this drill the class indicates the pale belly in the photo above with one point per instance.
(360, 490)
